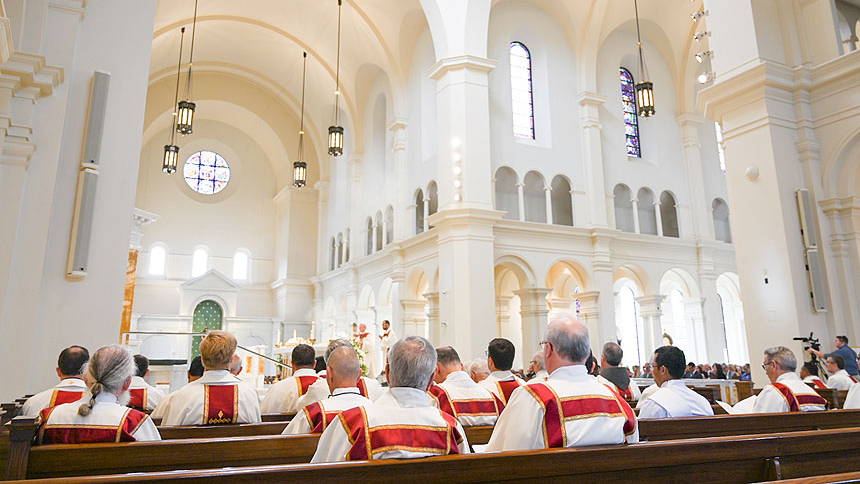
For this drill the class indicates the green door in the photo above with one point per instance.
(207, 315)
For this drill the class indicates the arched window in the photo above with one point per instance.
(630, 332)
(369, 240)
(379, 233)
(419, 212)
(623, 208)
(534, 197)
(522, 99)
(507, 199)
(389, 224)
(157, 259)
(432, 199)
(562, 206)
(332, 249)
(679, 329)
(346, 246)
(339, 250)
(631, 119)
(199, 262)
(240, 265)
(647, 212)
(669, 215)
(722, 230)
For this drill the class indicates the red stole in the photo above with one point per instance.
(626, 394)
(220, 404)
(801, 400)
(476, 407)
(318, 417)
(558, 410)
(852, 378)
(138, 398)
(304, 382)
(506, 388)
(368, 441)
(60, 397)
(362, 387)
(88, 434)
(819, 383)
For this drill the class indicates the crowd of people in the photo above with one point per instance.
(566, 397)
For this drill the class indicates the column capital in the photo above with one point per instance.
(460, 63)
(533, 300)
(589, 98)
(139, 218)
(650, 305)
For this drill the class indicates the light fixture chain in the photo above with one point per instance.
(337, 68)
(188, 84)
(176, 95)
(302, 122)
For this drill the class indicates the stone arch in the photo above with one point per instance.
(562, 203)
(622, 201)
(366, 298)
(669, 214)
(647, 211)
(505, 191)
(534, 197)
(521, 269)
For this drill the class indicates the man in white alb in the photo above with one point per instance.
(839, 379)
(283, 397)
(852, 401)
(538, 367)
(809, 374)
(459, 396)
(71, 388)
(787, 392)
(612, 373)
(501, 381)
(387, 338)
(367, 387)
(571, 408)
(342, 373)
(673, 399)
(369, 348)
(143, 395)
(217, 397)
(403, 423)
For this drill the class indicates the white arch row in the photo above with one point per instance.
(533, 200)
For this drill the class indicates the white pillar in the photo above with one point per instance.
(384, 230)
(426, 214)
(651, 312)
(503, 314)
(590, 314)
(533, 311)
(521, 202)
(548, 195)
(659, 218)
(373, 235)
(635, 203)
(592, 155)
(435, 327)
(694, 317)
(700, 207)
(401, 222)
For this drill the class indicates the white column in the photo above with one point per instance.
(559, 306)
(592, 155)
(503, 314)
(650, 312)
(603, 329)
(435, 329)
(374, 237)
(590, 314)
(548, 195)
(521, 202)
(533, 311)
(324, 256)
(635, 203)
(426, 214)
(402, 222)
(700, 207)
(384, 230)
(695, 318)
(659, 218)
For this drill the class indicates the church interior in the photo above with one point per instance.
(669, 172)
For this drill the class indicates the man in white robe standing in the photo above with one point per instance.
(369, 348)
(787, 392)
(387, 339)
(403, 423)
(673, 399)
(217, 397)
(571, 408)
(71, 388)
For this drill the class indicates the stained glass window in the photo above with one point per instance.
(206, 172)
(521, 91)
(631, 120)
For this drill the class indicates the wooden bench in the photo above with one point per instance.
(201, 453)
(713, 460)
(10, 411)
(844, 477)
(266, 417)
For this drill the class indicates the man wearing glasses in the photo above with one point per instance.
(787, 392)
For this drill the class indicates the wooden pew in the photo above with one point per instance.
(745, 389)
(835, 398)
(216, 431)
(11, 411)
(844, 477)
(713, 460)
(266, 417)
(59, 460)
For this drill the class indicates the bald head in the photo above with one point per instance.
(343, 368)
(568, 343)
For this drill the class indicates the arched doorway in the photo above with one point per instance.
(207, 315)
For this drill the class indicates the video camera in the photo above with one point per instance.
(809, 342)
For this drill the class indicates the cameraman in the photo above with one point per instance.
(843, 350)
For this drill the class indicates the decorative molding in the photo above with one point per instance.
(139, 218)
(74, 7)
(32, 71)
(462, 62)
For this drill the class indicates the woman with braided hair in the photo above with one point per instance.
(104, 417)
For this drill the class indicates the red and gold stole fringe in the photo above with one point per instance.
(220, 404)
(304, 382)
(138, 398)
(60, 397)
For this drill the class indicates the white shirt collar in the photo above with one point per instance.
(409, 397)
(569, 371)
(305, 372)
(458, 376)
(674, 383)
(106, 397)
(787, 376)
(72, 382)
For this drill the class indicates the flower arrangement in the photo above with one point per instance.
(362, 356)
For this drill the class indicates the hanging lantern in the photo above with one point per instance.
(645, 98)
(300, 173)
(335, 131)
(171, 159)
(300, 168)
(185, 117)
(335, 140)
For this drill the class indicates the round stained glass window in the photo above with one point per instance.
(206, 172)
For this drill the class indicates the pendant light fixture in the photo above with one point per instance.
(300, 168)
(171, 151)
(644, 89)
(335, 131)
(185, 113)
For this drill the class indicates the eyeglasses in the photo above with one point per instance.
(764, 366)
(543, 344)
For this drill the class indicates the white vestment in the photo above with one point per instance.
(634, 388)
(47, 398)
(319, 391)
(674, 399)
(388, 339)
(154, 396)
(401, 409)
(491, 382)
(853, 398)
(186, 405)
(771, 400)
(522, 424)
(540, 376)
(840, 380)
(283, 397)
(341, 399)
(646, 394)
(812, 379)
(108, 421)
(370, 356)
(461, 388)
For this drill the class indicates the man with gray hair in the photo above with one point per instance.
(787, 392)
(478, 370)
(571, 408)
(401, 424)
(615, 375)
(538, 367)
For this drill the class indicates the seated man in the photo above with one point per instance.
(611, 373)
(342, 373)
(478, 370)
(538, 367)
(692, 371)
(501, 381)
(839, 378)
(283, 397)
(217, 397)
(458, 395)
(367, 387)
(853, 399)
(143, 395)
(103, 417)
(235, 367)
(195, 371)
(402, 424)
(809, 374)
(71, 388)
(571, 408)
(673, 399)
(787, 392)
